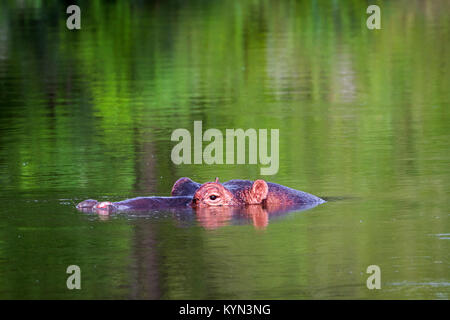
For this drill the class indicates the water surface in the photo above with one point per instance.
(363, 119)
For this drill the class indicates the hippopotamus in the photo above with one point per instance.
(241, 192)
(140, 203)
(187, 193)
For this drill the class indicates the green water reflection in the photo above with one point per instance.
(363, 117)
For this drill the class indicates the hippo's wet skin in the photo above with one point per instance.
(258, 215)
(241, 192)
(140, 203)
(187, 193)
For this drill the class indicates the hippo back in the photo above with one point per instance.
(281, 194)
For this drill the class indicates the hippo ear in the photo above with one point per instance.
(260, 190)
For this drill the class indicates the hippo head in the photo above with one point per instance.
(216, 194)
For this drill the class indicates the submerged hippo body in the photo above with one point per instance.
(140, 203)
(187, 193)
(276, 193)
(241, 192)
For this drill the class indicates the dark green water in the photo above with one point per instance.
(363, 118)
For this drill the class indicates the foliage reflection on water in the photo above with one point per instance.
(363, 116)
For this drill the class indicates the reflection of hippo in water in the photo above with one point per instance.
(140, 203)
(186, 192)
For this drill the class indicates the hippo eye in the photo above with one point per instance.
(213, 197)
